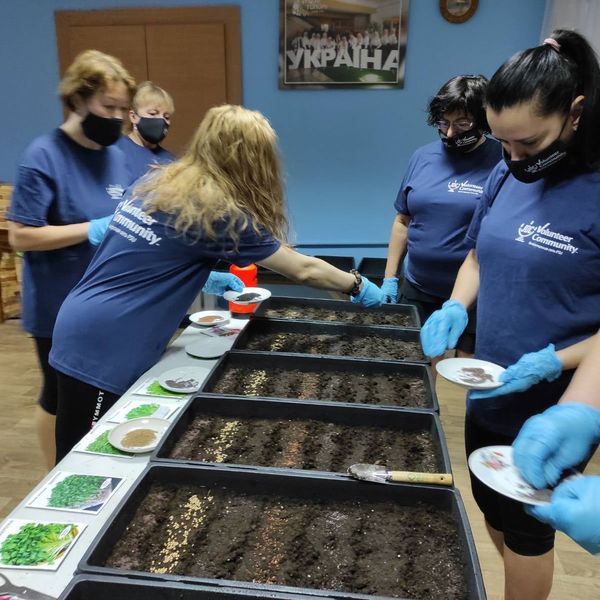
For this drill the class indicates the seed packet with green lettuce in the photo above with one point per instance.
(36, 544)
(76, 492)
(136, 408)
(151, 387)
(96, 442)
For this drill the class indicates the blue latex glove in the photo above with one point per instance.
(530, 369)
(97, 229)
(558, 439)
(369, 295)
(575, 509)
(219, 283)
(443, 328)
(390, 289)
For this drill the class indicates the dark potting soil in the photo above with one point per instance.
(337, 386)
(363, 317)
(364, 346)
(346, 545)
(304, 444)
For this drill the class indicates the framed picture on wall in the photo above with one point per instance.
(342, 43)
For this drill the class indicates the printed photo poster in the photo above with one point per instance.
(342, 43)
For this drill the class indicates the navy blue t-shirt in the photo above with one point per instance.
(118, 320)
(140, 159)
(59, 182)
(439, 192)
(538, 248)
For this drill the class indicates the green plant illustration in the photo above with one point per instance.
(37, 543)
(157, 390)
(103, 446)
(143, 410)
(75, 491)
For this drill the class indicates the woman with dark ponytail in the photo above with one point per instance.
(534, 269)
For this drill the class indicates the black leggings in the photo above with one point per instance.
(79, 407)
(49, 394)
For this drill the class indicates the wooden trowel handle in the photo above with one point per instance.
(414, 477)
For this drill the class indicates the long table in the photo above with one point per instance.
(52, 583)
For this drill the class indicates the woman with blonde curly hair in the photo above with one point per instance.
(222, 200)
(67, 183)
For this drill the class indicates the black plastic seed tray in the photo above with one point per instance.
(306, 365)
(330, 336)
(100, 587)
(373, 269)
(344, 263)
(224, 501)
(328, 311)
(336, 437)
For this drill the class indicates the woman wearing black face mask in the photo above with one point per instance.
(534, 270)
(67, 186)
(441, 187)
(150, 116)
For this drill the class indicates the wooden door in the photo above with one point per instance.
(171, 51)
(193, 53)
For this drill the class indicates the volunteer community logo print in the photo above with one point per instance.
(544, 238)
(133, 224)
(115, 191)
(464, 187)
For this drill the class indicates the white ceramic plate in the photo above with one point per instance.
(121, 435)
(209, 347)
(185, 380)
(493, 465)
(209, 318)
(232, 296)
(471, 373)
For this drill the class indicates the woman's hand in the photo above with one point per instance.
(219, 283)
(369, 295)
(530, 369)
(443, 328)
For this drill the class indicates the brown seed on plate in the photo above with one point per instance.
(209, 319)
(138, 438)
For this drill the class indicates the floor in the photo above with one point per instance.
(21, 467)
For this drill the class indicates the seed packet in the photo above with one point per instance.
(96, 442)
(137, 408)
(76, 492)
(151, 387)
(36, 544)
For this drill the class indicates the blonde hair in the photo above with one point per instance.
(148, 92)
(91, 71)
(230, 171)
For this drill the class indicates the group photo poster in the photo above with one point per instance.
(342, 43)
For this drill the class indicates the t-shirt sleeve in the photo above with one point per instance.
(33, 193)
(401, 204)
(252, 246)
(490, 190)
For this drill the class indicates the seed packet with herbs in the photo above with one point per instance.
(151, 387)
(137, 408)
(36, 544)
(96, 442)
(76, 492)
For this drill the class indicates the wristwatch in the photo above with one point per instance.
(356, 287)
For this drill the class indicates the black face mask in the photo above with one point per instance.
(546, 162)
(461, 142)
(152, 129)
(540, 165)
(102, 130)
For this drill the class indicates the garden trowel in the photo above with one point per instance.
(379, 474)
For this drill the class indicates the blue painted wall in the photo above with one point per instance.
(344, 151)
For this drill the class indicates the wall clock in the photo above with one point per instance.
(458, 11)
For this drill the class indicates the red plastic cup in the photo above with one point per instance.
(249, 276)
